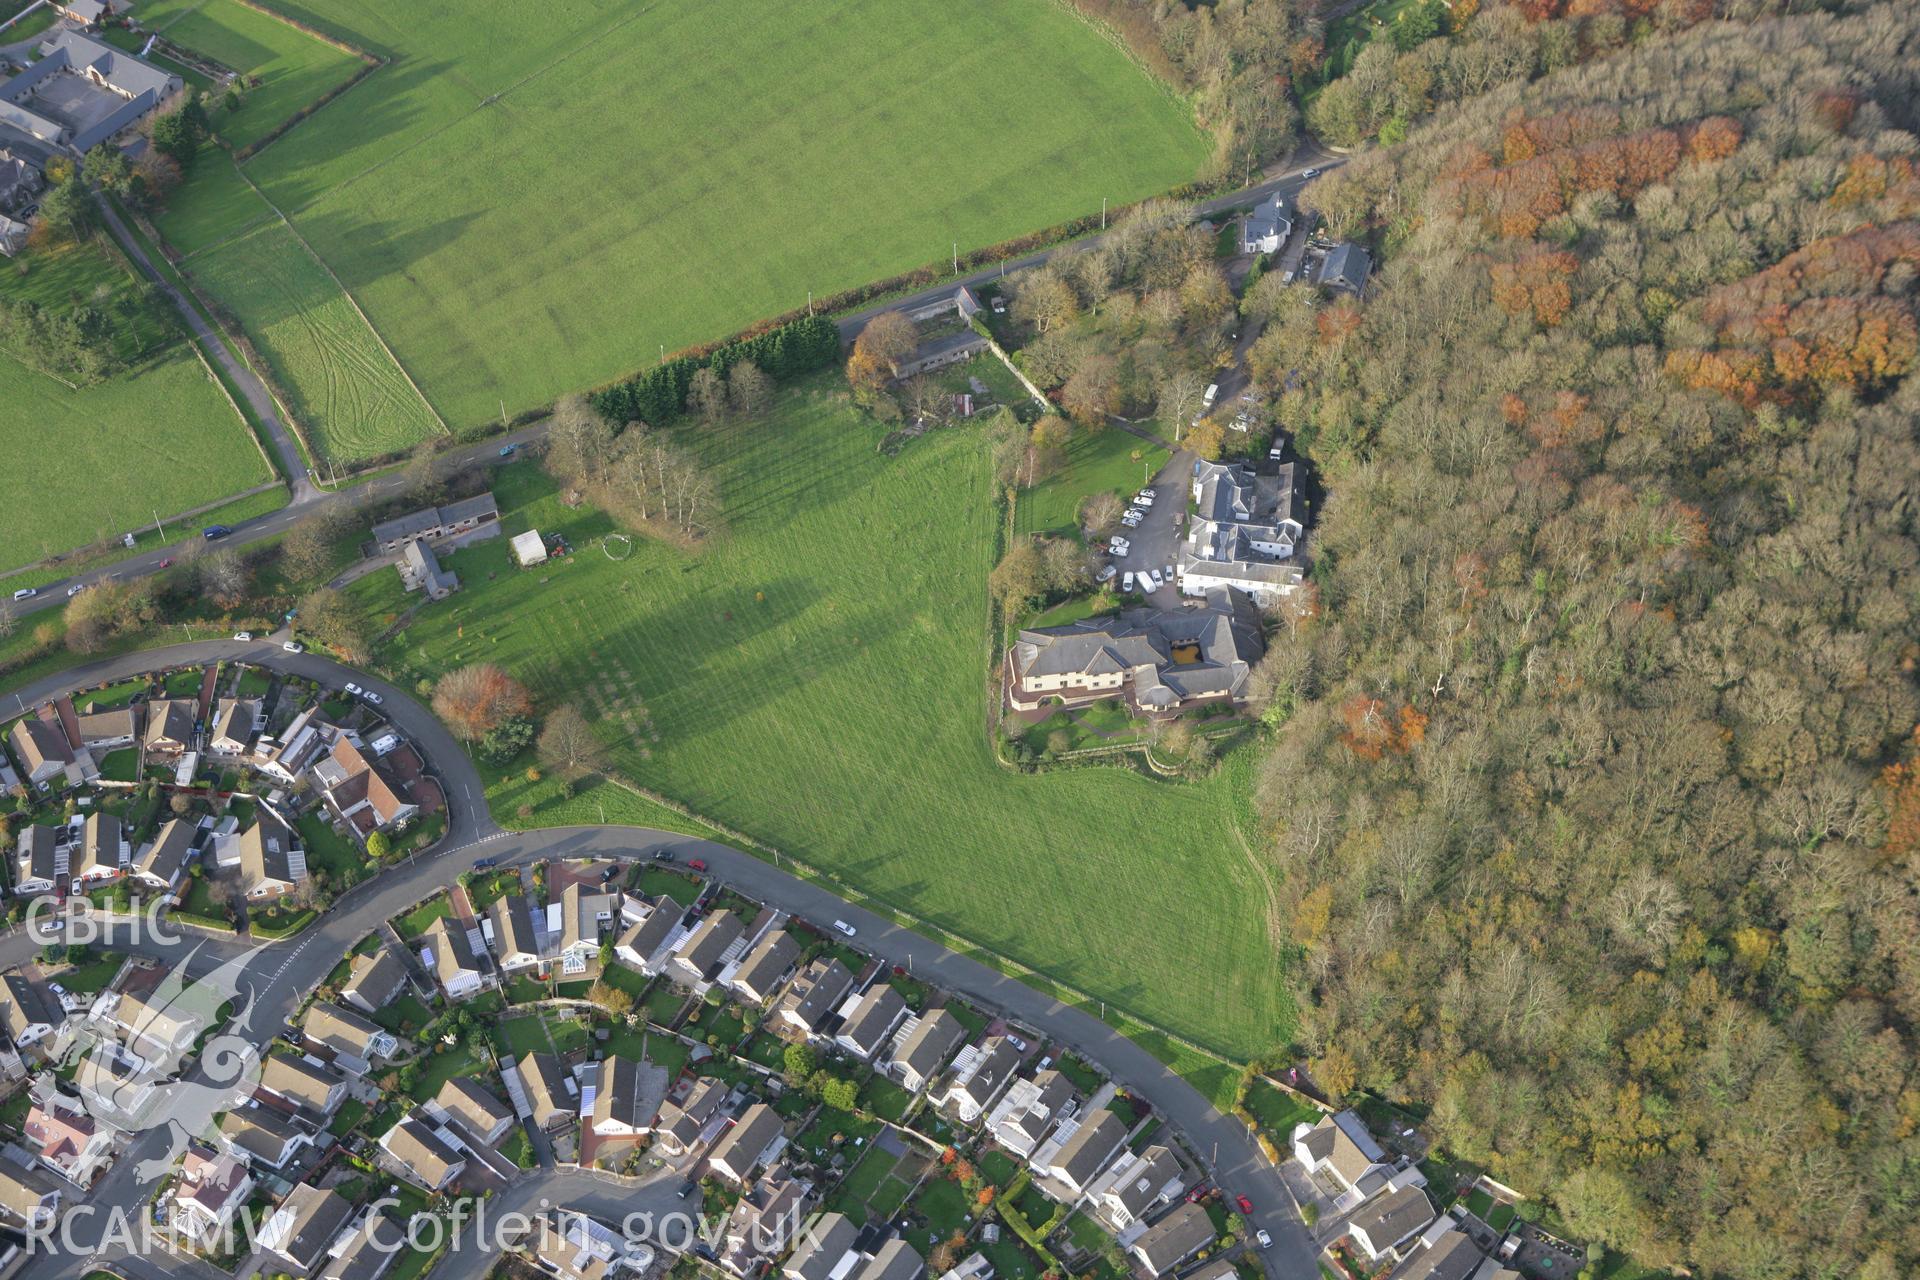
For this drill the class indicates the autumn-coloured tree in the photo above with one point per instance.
(886, 340)
(475, 699)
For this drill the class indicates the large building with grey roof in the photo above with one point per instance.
(1245, 533)
(1159, 660)
(81, 92)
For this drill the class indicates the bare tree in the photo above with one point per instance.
(749, 389)
(707, 396)
(568, 743)
(1100, 512)
(579, 443)
(1180, 398)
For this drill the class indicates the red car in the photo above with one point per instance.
(1199, 1193)
(698, 864)
(1246, 1205)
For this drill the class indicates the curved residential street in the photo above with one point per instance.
(277, 975)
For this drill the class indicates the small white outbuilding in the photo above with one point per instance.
(529, 548)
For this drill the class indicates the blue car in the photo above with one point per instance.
(506, 450)
(483, 864)
(215, 532)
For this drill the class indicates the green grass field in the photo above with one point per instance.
(292, 67)
(97, 462)
(816, 678)
(530, 198)
(352, 398)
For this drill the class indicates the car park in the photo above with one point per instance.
(844, 927)
(243, 636)
(294, 646)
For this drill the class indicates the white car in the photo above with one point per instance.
(76, 589)
(844, 927)
(26, 593)
(1143, 499)
(1148, 493)
(370, 696)
(294, 646)
(1126, 583)
(1019, 1045)
(1266, 1241)
(243, 635)
(1154, 576)
(354, 689)
(1169, 573)
(1130, 520)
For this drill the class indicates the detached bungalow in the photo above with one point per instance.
(421, 1154)
(304, 1083)
(447, 951)
(41, 749)
(170, 726)
(546, 1085)
(1089, 1149)
(263, 1136)
(680, 1124)
(355, 1043)
(759, 975)
(1030, 1111)
(307, 1221)
(1172, 1240)
(813, 996)
(640, 946)
(212, 1187)
(925, 1048)
(516, 943)
(39, 862)
(29, 1010)
(161, 864)
(374, 981)
(619, 1110)
(700, 951)
(748, 1144)
(872, 1021)
(103, 851)
(1385, 1222)
(474, 1108)
(233, 726)
(979, 1076)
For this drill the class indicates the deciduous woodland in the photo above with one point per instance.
(1596, 802)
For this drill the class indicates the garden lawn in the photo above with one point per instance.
(415, 922)
(160, 433)
(1100, 462)
(814, 678)
(349, 394)
(672, 130)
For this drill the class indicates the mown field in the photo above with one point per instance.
(94, 463)
(815, 677)
(534, 198)
(352, 398)
(291, 67)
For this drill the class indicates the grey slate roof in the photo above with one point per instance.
(700, 950)
(929, 1045)
(316, 1218)
(874, 1018)
(1393, 1217)
(991, 1070)
(819, 1250)
(1092, 1145)
(1346, 267)
(816, 992)
(1175, 1238)
(767, 963)
(1225, 630)
(1452, 1257)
